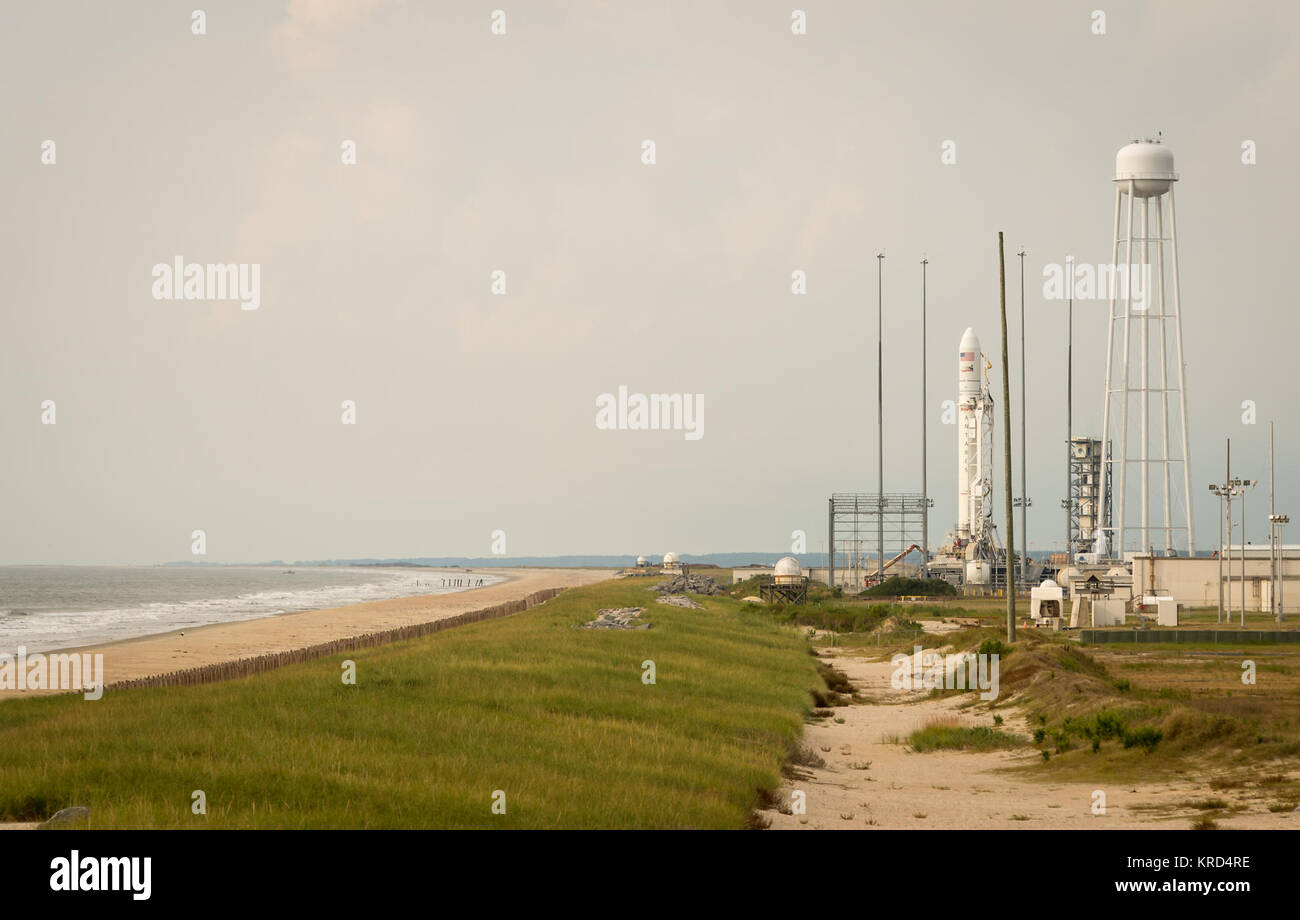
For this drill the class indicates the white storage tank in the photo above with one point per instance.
(978, 572)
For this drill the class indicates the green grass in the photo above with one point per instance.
(558, 718)
(949, 736)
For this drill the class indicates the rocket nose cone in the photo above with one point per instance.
(969, 341)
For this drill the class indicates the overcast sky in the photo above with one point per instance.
(522, 152)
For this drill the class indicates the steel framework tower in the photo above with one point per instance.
(1089, 506)
(1137, 332)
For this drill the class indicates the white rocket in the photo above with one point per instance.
(974, 449)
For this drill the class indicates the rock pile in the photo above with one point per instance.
(689, 584)
(617, 618)
(679, 600)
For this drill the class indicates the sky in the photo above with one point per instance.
(475, 413)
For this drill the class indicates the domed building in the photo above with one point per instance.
(1047, 602)
(640, 562)
(787, 571)
(789, 583)
(672, 565)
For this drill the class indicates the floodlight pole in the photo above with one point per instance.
(925, 495)
(1006, 447)
(1069, 407)
(1024, 394)
(880, 417)
(1272, 529)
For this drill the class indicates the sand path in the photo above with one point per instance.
(158, 654)
(953, 789)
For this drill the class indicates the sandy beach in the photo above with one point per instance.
(221, 642)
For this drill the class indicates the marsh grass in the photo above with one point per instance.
(946, 735)
(555, 717)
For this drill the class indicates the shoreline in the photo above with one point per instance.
(188, 631)
(220, 643)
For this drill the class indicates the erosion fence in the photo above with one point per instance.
(260, 664)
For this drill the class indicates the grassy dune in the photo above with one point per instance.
(555, 717)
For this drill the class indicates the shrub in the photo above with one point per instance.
(897, 586)
(995, 647)
(948, 736)
(1145, 737)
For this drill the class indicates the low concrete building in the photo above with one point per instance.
(1194, 582)
(746, 572)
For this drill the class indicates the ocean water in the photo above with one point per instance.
(50, 607)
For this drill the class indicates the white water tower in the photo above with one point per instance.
(1144, 337)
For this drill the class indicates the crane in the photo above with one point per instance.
(872, 580)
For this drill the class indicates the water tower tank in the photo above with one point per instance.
(1150, 164)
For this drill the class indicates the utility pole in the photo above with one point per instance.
(1006, 447)
(925, 494)
(1024, 397)
(880, 416)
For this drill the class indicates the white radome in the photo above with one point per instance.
(787, 571)
(788, 565)
(640, 560)
(670, 559)
(1149, 164)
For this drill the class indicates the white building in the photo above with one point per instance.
(1194, 582)
(746, 572)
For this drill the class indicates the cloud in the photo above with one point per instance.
(312, 32)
